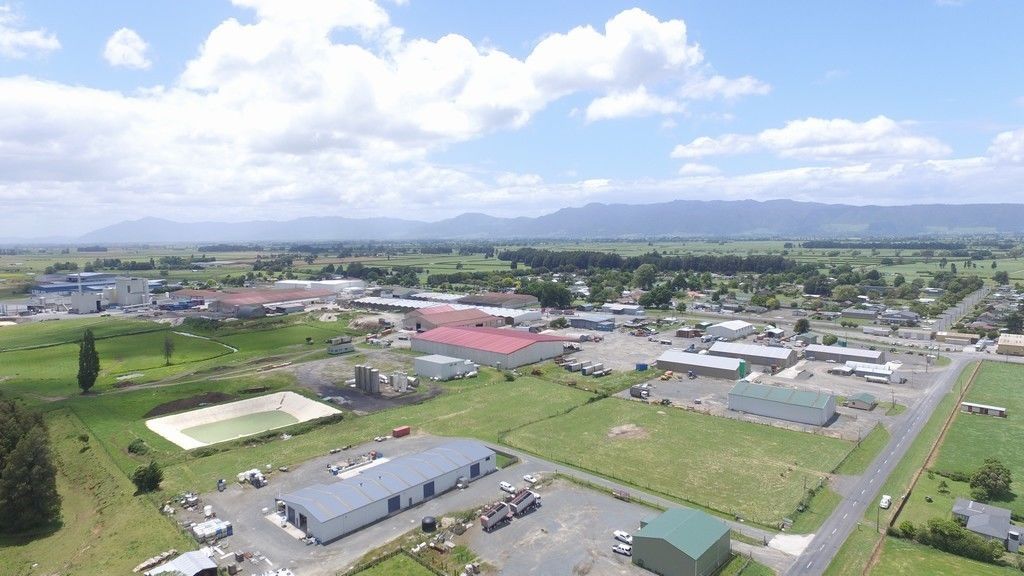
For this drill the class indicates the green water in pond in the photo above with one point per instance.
(240, 426)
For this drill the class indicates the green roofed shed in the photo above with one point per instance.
(682, 541)
(805, 406)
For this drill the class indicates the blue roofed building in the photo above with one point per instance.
(330, 511)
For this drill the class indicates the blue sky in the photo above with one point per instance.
(266, 109)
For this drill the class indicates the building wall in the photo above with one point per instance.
(705, 371)
(791, 412)
(591, 325)
(1010, 349)
(658, 556)
(724, 332)
(445, 371)
(354, 520)
(841, 358)
(417, 322)
(715, 557)
(130, 291)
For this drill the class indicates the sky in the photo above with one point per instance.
(217, 110)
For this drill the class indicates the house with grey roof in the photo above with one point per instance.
(330, 511)
(987, 521)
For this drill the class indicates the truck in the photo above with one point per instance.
(523, 502)
(497, 515)
(638, 391)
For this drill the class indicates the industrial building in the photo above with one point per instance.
(730, 330)
(860, 313)
(339, 286)
(988, 522)
(86, 302)
(900, 317)
(753, 354)
(256, 303)
(500, 300)
(438, 367)
(340, 345)
(983, 409)
(498, 347)
(862, 401)
(842, 354)
(682, 542)
(510, 315)
(129, 291)
(958, 338)
(194, 563)
(423, 319)
(702, 364)
(686, 332)
(330, 511)
(592, 321)
(877, 330)
(916, 334)
(1010, 344)
(803, 406)
(627, 309)
(442, 297)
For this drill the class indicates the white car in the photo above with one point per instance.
(506, 487)
(885, 502)
(624, 549)
(530, 479)
(623, 536)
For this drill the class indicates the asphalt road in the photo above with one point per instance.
(864, 493)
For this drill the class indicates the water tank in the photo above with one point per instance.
(429, 524)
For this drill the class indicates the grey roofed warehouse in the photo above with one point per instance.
(329, 511)
(754, 354)
(803, 406)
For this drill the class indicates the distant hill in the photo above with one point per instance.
(680, 218)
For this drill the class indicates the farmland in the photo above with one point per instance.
(904, 558)
(735, 467)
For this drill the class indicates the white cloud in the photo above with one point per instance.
(511, 179)
(701, 88)
(630, 104)
(1008, 147)
(697, 169)
(126, 49)
(817, 138)
(17, 42)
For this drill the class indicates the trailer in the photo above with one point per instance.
(523, 502)
(495, 516)
(878, 379)
(588, 370)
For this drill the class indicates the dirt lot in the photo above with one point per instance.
(183, 404)
(571, 533)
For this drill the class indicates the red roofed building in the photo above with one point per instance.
(502, 347)
(425, 319)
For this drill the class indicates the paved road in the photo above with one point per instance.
(863, 493)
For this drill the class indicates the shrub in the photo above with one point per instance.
(148, 478)
(509, 376)
(83, 437)
(138, 447)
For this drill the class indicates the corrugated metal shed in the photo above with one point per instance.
(752, 350)
(781, 395)
(496, 340)
(690, 531)
(189, 564)
(328, 501)
(706, 360)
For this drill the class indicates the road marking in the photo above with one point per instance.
(809, 563)
(822, 548)
(834, 530)
(886, 461)
(845, 515)
(861, 493)
(871, 481)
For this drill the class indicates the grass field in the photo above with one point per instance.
(399, 565)
(614, 382)
(755, 471)
(69, 331)
(859, 459)
(105, 530)
(905, 558)
(741, 566)
(973, 438)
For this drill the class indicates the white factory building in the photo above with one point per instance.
(842, 354)
(438, 367)
(730, 330)
(349, 285)
(511, 315)
(330, 511)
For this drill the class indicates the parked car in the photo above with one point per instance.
(530, 479)
(624, 549)
(623, 536)
(506, 487)
(885, 502)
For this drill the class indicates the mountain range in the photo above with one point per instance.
(679, 218)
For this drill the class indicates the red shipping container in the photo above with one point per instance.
(401, 431)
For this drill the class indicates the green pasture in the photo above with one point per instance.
(70, 330)
(735, 467)
(399, 565)
(906, 558)
(859, 460)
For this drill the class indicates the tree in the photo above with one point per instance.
(645, 275)
(168, 349)
(1015, 323)
(829, 339)
(802, 325)
(845, 292)
(991, 481)
(28, 485)
(88, 362)
(659, 297)
(1002, 277)
(680, 306)
(559, 322)
(147, 478)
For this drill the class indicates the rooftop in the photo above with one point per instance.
(451, 316)
(864, 397)
(256, 297)
(498, 299)
(815, 348)
(1011, 339)
(498, 340)
(691, 531)
(593, 317)
(189, 563)
(751, 350)
(439, 359)
(983, 519)
(327, 501)
(705, 360)
(734, 325)
(781, 395)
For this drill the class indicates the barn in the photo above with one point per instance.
(802, 406)
(683, 542)
(422, 319)
(499, 347)
(330, 511)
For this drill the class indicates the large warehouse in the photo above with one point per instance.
(500, 300)
(730, 330)
(504, 348)
(842, 354)
(592, 321)
(683, 542)
(702, 364)
(511, 315)
(330, 511)
(423, 319)
(753, 354)
(802, 406)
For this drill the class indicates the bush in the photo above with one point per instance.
(907, 530)
(509, 376)
(83, 437)
(829, 339)
(949, 536)
(148, 478)
(138, 447)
